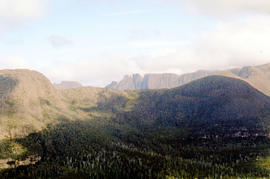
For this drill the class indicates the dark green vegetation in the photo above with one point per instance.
(211, 107)
(213, 127)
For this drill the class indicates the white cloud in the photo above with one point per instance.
(230, 44)
(239, 43)
(97, 72)
(227, 7)
(20, 9)
(16, 12)
(234, 44)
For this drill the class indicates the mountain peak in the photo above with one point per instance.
(257, 76)
(156, 80)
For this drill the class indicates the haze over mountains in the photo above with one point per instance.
(218, 125)
(29, 101)
(156, 81)
(67, 85)
(258, 76)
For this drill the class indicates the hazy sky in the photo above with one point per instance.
(98, 41)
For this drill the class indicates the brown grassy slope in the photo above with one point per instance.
(90, 102)
(257, 76)
(28, 102)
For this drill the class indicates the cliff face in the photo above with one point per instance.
(157, 81)
(128, 83)
(257, 76)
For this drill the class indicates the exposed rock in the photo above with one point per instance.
(257, 76)
(157, 81)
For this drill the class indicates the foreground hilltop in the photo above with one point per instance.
(211, 106)
(27, 97)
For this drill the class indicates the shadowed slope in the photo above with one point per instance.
(214, 105)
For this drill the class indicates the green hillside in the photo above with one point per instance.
(211, 128)
(212, 106)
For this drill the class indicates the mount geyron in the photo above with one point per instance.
(204, 125)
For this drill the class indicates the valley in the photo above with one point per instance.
(212, 127)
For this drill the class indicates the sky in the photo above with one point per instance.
(95, 42)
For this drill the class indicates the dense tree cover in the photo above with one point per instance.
(79, 149)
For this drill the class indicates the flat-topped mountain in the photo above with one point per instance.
(156, 81)
(67, 85)
(257, 76)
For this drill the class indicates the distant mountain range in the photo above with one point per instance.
(258, 76)
(156, 81)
